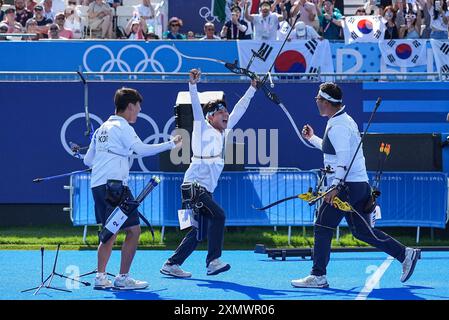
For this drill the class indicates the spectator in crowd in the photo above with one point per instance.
(209, 32)
(439, 18)
(401, 9)
(301, 31)
(307, 10)
(236, 27)
(53, 32)
(265, 23)
(360, 11)
(10, 21)
(30, 5)
(426, 18)
(146, 12)
(174, 25)
(73, 20)
(412, 28)
(32, 27)
(330, 21)
(2, 13)
(63, 32)
(42, 22)
(48, 9)
(305, 32)
(100, 17)
(22, 13)
(190, 35)
(241, 5)
(136, 28)
(391, 29)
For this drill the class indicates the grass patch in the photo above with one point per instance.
(236, 238)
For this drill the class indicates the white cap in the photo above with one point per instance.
(300, 28)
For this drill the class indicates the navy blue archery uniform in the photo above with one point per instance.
(339, 145)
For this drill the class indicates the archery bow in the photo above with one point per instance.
(307, 196)
(262, 54)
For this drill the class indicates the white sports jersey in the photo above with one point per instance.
(339, 147)
(208, 143)
(111, 146)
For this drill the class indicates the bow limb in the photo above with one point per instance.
(292, 122)
(275, 203)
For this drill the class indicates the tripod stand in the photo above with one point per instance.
(51, 276)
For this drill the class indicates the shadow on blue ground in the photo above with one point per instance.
(258, 293)
(404, 293)
(137, 295)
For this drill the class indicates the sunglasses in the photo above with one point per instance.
(72, 3)
(37, 9)
(60, 18)
(53, 29)
(175, 25)
(410, 16)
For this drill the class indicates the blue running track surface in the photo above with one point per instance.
(356, 275)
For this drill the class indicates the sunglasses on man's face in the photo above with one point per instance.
(53, 29)
(175, 25)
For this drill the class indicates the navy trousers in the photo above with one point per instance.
(329, 217)
(214, 218)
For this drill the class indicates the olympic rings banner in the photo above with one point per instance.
(177, 56)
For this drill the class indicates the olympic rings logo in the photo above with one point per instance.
(156, 137)
(206, 14)
(123, 66)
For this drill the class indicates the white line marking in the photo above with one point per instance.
(374, 279)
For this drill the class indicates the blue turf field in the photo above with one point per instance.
(252, 276)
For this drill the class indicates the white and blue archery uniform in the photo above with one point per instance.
(206, 165)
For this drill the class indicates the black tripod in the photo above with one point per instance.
(52, 274)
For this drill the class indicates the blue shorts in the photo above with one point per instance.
(104, 208)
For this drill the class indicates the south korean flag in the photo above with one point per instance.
(403, 53)
(441, 55)
(363, 29)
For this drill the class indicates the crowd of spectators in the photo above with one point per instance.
(322, 19)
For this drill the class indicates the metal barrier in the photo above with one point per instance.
(237, 193)
(409, 199)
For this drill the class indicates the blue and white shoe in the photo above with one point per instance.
(311, 281)
(128, 283)
(408, 266)
(216, 266)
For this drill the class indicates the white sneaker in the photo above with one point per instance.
(174, 270)
(408, 266)
(311, 282)
(216, 267)
(102, 282)
(128, 283)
